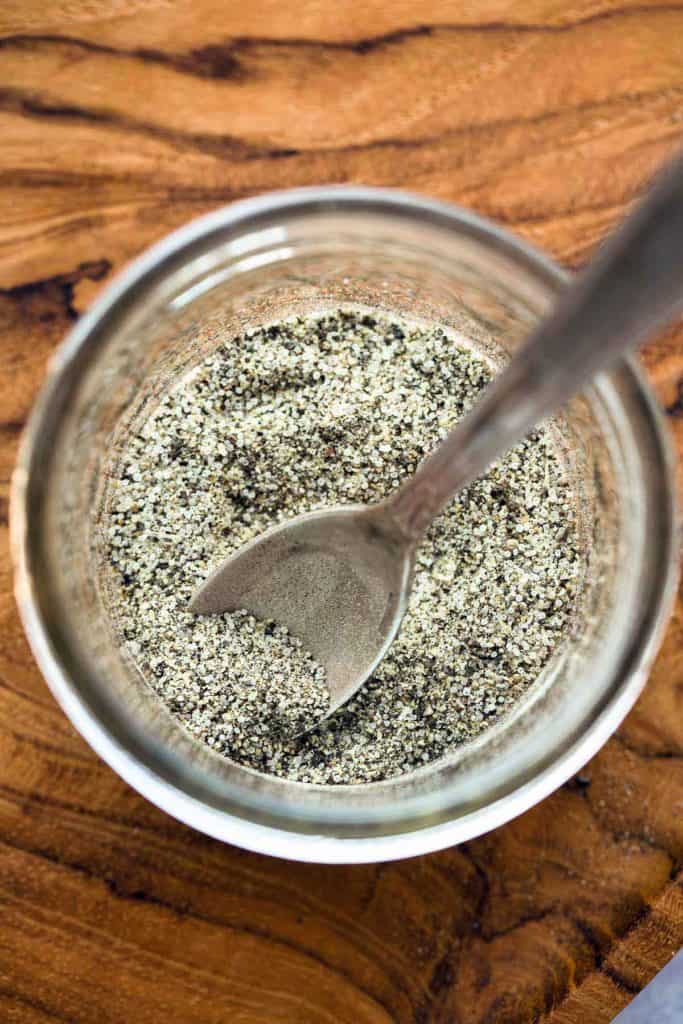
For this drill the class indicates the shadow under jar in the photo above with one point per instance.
(298, 253)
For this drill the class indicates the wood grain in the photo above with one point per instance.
(120, 120)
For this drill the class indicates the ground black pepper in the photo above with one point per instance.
(306, 413)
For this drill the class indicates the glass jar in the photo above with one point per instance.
(298, 252)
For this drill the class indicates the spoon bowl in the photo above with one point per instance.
(339, 579)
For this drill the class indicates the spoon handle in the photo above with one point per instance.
(633, 285)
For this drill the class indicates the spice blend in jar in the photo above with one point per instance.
(335, 409)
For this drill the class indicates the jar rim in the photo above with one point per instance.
(158, 780)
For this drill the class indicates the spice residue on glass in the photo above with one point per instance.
(308, 413)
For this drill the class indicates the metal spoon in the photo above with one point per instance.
(340, 579)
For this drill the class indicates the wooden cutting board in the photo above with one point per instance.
(121, 119)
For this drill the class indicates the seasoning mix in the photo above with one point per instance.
(307, 413)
